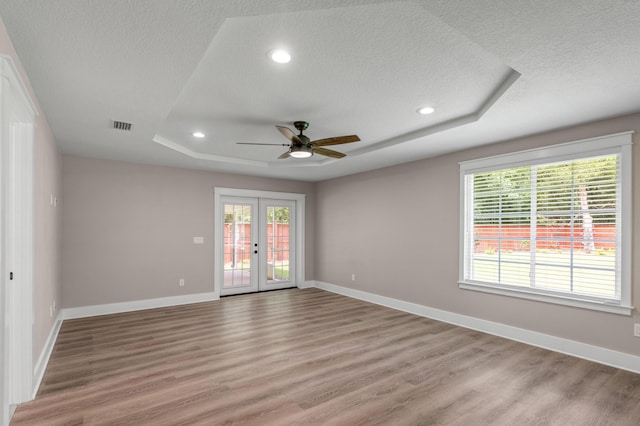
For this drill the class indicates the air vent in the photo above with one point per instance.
(121, 125)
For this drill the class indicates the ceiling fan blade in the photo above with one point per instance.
(252, 143)
(328, 152)
(336, 141)
(285, 155)
(288, 133)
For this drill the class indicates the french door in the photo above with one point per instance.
(258, 245)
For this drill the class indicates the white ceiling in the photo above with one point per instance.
(494, 69)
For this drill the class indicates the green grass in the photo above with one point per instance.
(280, 272)
(593, 274)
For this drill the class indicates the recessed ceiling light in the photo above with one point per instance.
(425, 110)
(198, 135)
(280, 56)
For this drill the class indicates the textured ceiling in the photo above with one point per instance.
(493, 69)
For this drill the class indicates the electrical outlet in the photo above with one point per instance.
(50, 311)
(353, 277)
(55, 307)
(181, 283)
(636, 329)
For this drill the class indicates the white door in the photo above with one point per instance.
(258, 244)
(16, 241)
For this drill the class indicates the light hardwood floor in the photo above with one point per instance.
(312, 357)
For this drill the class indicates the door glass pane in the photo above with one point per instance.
(237, 245)
(278, 243)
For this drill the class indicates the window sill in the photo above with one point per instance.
(540, 297)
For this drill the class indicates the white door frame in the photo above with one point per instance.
(218, 233)
(17, 117)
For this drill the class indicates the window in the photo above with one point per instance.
(551, 224)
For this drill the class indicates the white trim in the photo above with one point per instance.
(218, 231)
(558, 299)
(135, 305)
(9, 71)
(626, 201)
(45, 355)
(306, 284)
(593, 353)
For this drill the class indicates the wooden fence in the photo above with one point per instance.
(517, 237)
(241, 236)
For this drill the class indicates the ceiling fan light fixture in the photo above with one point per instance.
(426, 110)
(280, 56)
(302, 147)
(300, 151)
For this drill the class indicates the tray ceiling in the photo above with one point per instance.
(492, 70)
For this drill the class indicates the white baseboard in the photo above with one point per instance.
(136, 305)
(598, 354)
(306, 284)
(43, 360)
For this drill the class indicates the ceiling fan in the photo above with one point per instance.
(302, 147)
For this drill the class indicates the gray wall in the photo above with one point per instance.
(363, 220)
(47, 219)
(47, 274)
(129, 228)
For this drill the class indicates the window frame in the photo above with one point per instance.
(619, 143)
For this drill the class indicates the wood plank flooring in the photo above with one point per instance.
(299, 357)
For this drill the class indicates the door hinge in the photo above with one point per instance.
(10, 276)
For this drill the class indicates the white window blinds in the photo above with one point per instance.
(552, 228)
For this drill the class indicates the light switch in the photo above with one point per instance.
(198, 240)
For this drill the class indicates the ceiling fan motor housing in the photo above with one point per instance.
(305, 140)
(300, 125)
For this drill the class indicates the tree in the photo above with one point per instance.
(568, 193)
(503, 196)
(572, 192)
(280, 214)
